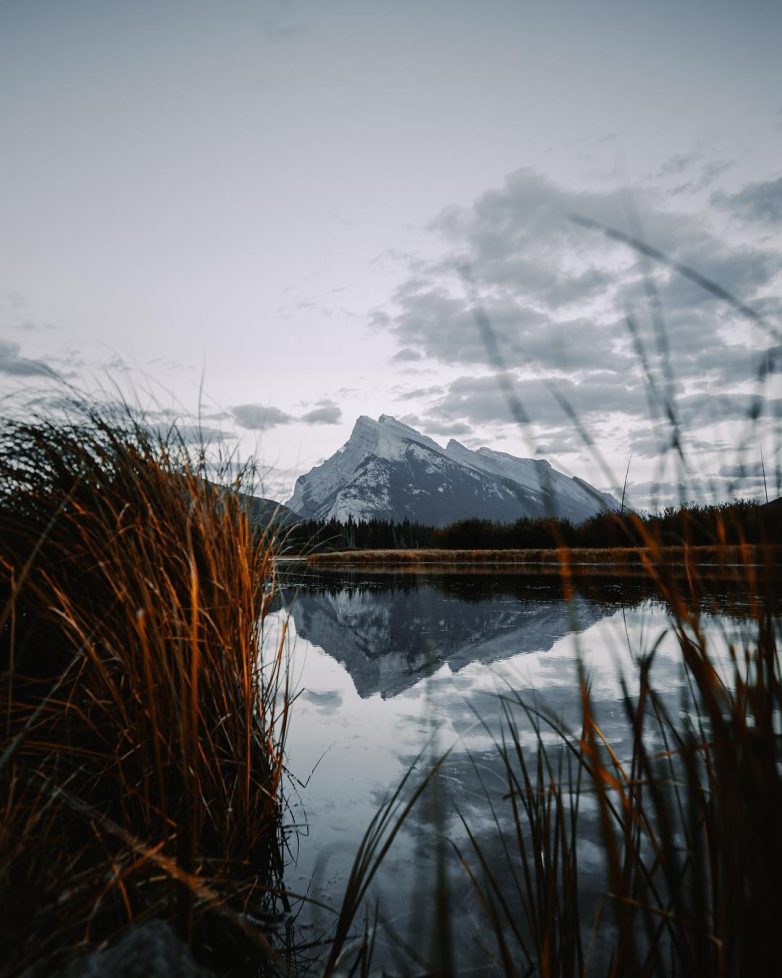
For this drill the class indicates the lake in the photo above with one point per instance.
(388, 666)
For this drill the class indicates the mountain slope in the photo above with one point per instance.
(387, 470)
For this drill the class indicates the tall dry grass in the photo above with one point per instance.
(142, 739)
(142, 730)
(652, 850)
(686, 808)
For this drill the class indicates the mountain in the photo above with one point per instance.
(266, 513)
(390, 638)
(263, 514)
(387, 470)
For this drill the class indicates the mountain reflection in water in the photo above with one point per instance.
(390, 632)
(392, 665)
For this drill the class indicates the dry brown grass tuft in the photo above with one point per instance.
(142, 734)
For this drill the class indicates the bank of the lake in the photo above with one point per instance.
(707, 561)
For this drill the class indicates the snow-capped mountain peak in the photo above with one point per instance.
(387, 437)
(388, 470)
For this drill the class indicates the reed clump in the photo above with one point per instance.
(143, 722)
(683, 800)
(642, 838)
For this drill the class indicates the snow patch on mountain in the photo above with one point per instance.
(388, 470)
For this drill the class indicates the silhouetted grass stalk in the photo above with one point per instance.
(689, 816)
(142, 729)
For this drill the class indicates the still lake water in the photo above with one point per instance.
(387, 664)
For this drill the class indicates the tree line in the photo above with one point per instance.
(696, 525)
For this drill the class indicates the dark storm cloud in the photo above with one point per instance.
(12, 363)
(759, 203)
(326, 413)
(259, 416)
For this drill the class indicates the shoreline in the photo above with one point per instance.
(718, 560)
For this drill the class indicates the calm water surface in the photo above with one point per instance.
(387, 666)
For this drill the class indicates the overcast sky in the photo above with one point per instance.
(293, 211)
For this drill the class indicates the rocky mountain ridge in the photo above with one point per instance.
(388, 470)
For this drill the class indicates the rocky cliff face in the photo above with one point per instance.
(387, 470)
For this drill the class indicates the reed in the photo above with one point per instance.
(686, 807)
(141, 757)
(144, 719)
(687, 810)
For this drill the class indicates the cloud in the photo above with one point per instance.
(406, 355)
(559, 441)
(743, 470)
(554, 292)
(436, 426)
(262, 416)
(678, 164)
(416, 393)
(708, 174)
(523, 290)
(696, 171)
(710, 408)
(759, 203)
(190, 434)
(329, 701)
(453, 429)
(11, 362)
(326, 413)
(259, 416)
(444, 327)
(482, 400)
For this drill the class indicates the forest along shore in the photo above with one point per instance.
(716, 560)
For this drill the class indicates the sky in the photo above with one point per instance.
(276, 216)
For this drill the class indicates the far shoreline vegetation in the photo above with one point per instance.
(721, 561)
(715, 538)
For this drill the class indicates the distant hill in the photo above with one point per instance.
(772, 509)
(263, 512)
(389, 471)
(266, 512)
